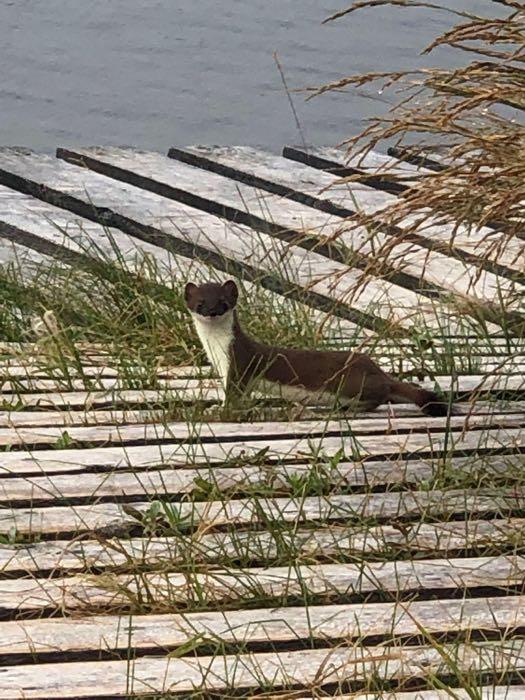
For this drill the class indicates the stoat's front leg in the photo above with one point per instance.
(235, 392)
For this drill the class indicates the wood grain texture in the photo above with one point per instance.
(283, 450)
(65, 418)
(282, 479)
(507, 378)
(245, 671)
(330, 542)
(266, 626)
(166, 430)
(112, 517)
(88, 400)
(235, 586)
(46, 370)
(90, 417)
(35, 384)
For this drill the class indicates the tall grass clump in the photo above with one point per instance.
(131, 305)
(464, 124)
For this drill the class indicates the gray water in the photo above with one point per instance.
(156, 73)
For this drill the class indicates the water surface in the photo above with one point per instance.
(154, 73)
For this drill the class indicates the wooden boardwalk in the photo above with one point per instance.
(378, 556)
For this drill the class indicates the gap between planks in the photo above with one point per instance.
(210, 390)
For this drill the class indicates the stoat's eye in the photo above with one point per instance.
(200, 307)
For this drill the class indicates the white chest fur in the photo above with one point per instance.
(216, 336)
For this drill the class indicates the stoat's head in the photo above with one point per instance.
(211, 301)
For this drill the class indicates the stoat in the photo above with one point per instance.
(244, 363)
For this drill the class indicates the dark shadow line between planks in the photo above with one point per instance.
(228, 648)
(334, 168)
(107, 217)
(331, 250)
(378, 596)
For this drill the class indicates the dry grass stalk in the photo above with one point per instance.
(470, 113)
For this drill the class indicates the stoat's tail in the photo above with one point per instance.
(428, 401)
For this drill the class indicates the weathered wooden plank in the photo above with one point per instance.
(50, 418)
(98, 357)
(24, 261)
(35, 384)
(196, 589)
(287, 669)
(46, 370)
(28, 348)
(280, 478)
(483, 243)
(34, 419)
(431, 539)
(393, 360)
(222, 432)
(318, 189)
(208, 390)
(506, 378)
(393, 357)
(67, 417)
(112, 517)
(283, 450)
(335, 623)
(96, 399)
(190, 232)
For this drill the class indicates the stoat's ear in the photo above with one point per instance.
(189, 290)
(231, 292)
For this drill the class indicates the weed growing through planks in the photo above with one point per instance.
(64, 441)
